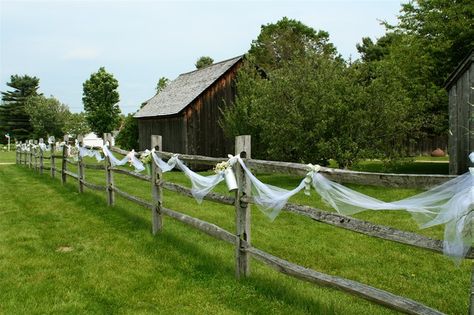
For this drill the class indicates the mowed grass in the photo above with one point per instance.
(63, 252)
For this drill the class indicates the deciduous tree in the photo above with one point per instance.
(48, 116)
(100, 99)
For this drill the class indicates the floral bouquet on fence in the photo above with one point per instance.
(225, 168)
(145, 158)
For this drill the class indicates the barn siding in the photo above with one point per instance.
(461, 140)
(169, 127)
(204, 135)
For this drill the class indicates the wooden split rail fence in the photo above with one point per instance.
(242, 200)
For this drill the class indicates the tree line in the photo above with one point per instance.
(301, 101)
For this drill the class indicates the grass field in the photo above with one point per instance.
(62, 252)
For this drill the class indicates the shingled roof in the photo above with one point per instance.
(180, 92)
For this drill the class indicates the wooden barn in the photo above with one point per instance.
(187, 111)
(460, 86)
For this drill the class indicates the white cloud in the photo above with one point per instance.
(82, 53)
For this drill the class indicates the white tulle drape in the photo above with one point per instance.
(130, 157)
(450, 203)
(91, 153)
(164, 167)
(201, 185)
(270, 199)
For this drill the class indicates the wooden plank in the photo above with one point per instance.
(206, 227)
(109, 176)
(352, 177)
(132, 198)
(120, 151)
(369, 229)
(342, 176)
(198, 159)
(93, 166)
(242, 208)
(47, 168)
(71, 162)
(94, 186)
(145, 178)
(156, 191)
(46, 157)
(367, 292)
(227, 200)
(73, 175)
(335, 219)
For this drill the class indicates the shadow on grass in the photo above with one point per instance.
(204, 266)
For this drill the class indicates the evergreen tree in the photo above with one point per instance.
(203, 61)
(13, 116)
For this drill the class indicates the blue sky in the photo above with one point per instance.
(63, 42)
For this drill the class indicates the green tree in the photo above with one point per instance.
(76, 124)
(48, 116)
(288, 40)
(13, 116)
(370, 51)
(127, 137)
(420, 51)
(203, 61)
(304, 106)
(162, 83)
(442, 29)
(100, 99)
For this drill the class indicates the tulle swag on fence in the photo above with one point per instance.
(201, 185)
(451, 203)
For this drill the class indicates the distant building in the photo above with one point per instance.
(187, 111)
(91, 139)
(460, 86)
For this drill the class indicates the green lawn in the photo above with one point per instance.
(62, 252)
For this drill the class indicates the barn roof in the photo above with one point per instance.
(180, 92)
(460, 69)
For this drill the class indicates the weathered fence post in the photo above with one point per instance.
(80, 164)
(35, 155)
(53, 158)
(22, 153)
(156, 191)
(64, 156)
(30, 156)
(18, 154)
(109, 176)
(242, 209)
(41, 165)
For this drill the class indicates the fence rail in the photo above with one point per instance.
(241, 201)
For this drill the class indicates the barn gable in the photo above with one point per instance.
(184, 90)
(187, 111)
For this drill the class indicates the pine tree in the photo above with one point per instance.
(13, 117)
